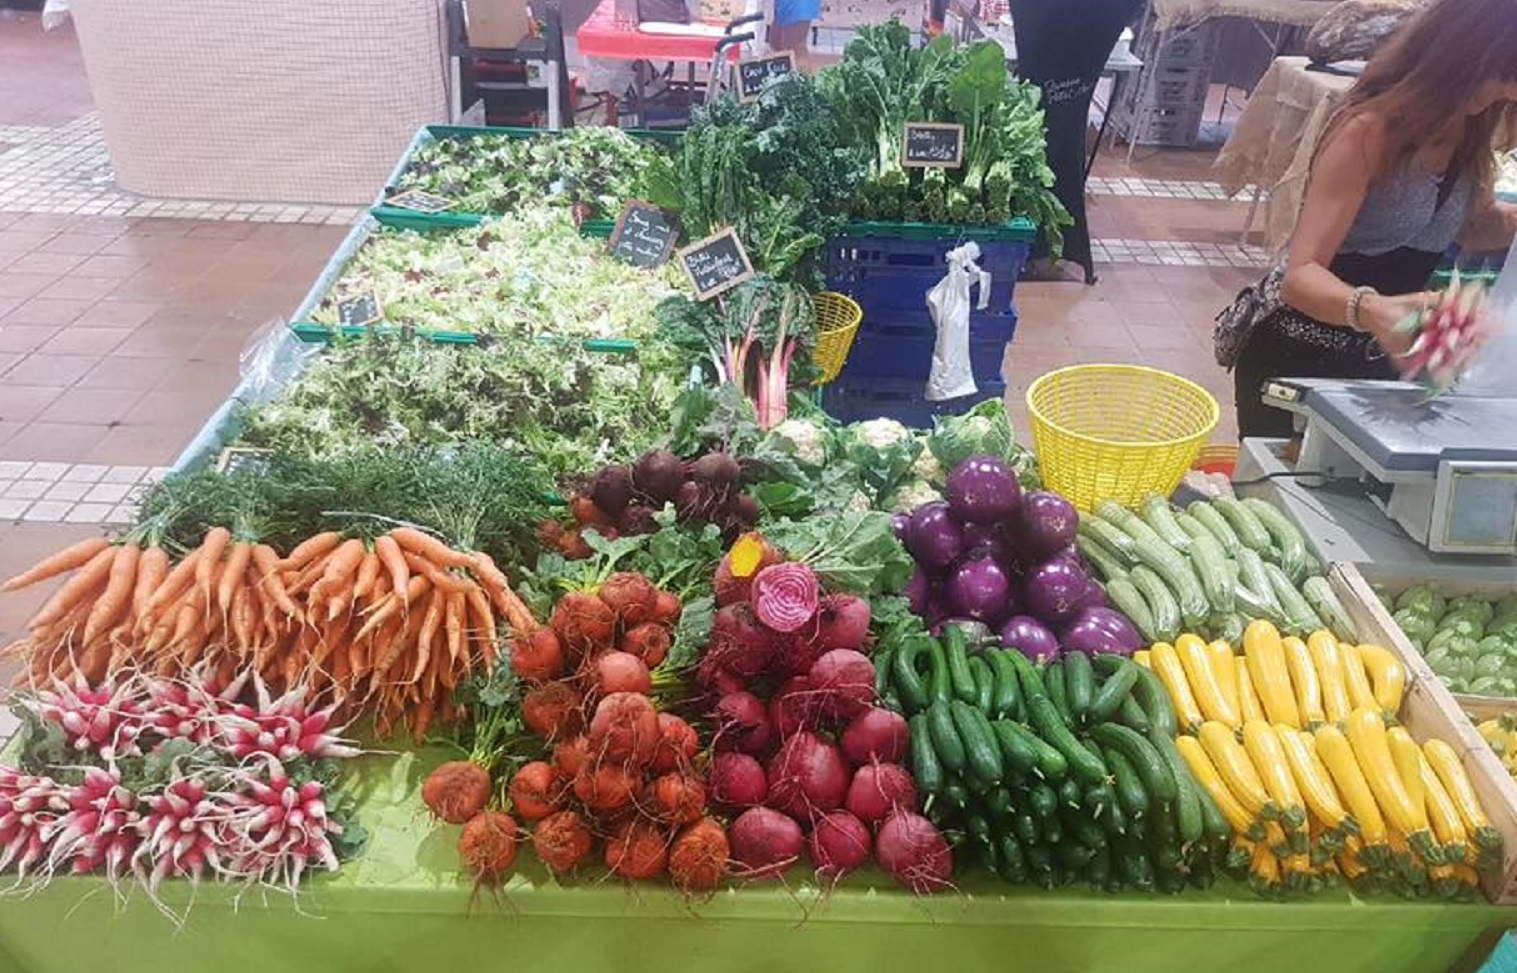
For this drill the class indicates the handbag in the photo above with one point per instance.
(1236, 322)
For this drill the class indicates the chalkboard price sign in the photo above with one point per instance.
(716, 264)
(929, 145)
(358, 311)
(644, 235)
(243, 459)
(754, 75)
(415, 199)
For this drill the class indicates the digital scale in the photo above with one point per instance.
(1442, 467)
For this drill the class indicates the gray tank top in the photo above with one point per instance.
(1403, 210)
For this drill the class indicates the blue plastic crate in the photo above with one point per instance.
(897, 398)
(892, 273)
(900, 345)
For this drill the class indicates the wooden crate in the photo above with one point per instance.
(1429, 711)
(1478, 706)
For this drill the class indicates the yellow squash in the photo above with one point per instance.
(1387, 676)
(1201, 767)
(1450, 771)
(1237, 771)
(1329, 664)
(1367, 737)
(1407, 758)
(1166, 664)
(1442, 815)
(1248, 700)
(1205, 685)
(1141, 658)
(1263, 748)
(1338, 757)
(1312, 778)
(1360, 695)
(1222, 656)
(1266, 666)
(1303, 676)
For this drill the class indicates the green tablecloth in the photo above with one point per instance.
(403, 907)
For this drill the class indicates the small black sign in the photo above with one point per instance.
(358, 311)
(929, 145)
(754, 75)
(644, 235)
(243, 459)
(716, 264)
(419, 201)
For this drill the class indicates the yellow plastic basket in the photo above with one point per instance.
(837, 322)
(1117, 432)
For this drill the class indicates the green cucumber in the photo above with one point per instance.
(1117, 687)
(1153, 770)
(1162, 606)
(1025, 827)
(1029, 680)
(984, 682)
(1131, 796)
(1070, 793)
(1050, 762)
(939, 686)
(1006, 700)
(1160, 516)
(882, 658)
(981, 751)
(945, 739)
(1039, 861)
(1153, 552)
(1129, 713)
(1216, 580)
(1043, 802)
(1098, 872)
(1013, 865)
(1053, 684)
(1244, 524)
(1079, 683)
(1107, 564)
(1287, 539)
(1187, 802)
(1121, 546)
(1297, 611)
(1207, 516)
(906, 670)
(1192, 526)
(1154, 698)
(955, 793)
(1215, 829)
(1082, 829)
(1018, 754)
(1126, 598)
(1319, 593)
(1134, 868)
(1048, 723)
(925, 766)
(956, 648)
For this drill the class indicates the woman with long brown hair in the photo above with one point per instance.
(1405, 169)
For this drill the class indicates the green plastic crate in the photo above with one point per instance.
(407, 219)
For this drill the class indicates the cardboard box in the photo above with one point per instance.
(1430, 710)
(497, 23)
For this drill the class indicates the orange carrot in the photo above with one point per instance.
(432, 617)
(75, 555)
(368, 570)
(422, 719)
(232, 578)
(484, 617)
(342, 565)
(425, 650)
(211, 549)
(392, 605)
(413, 541)
(267, 564)
(118, 592)
(309, 549)
(243, 617)
(85, 580)
(453, 624)
(152, 569)
(178, 580)
(440, 577)
(394, 561)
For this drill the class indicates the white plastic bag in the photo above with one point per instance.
(1494, 371)
(952, 374)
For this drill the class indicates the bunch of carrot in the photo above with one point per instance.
(389, 627)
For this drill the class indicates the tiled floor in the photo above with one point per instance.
(122, 319)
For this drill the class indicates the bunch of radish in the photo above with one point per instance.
(804, 757)
(621, 500)
(229, 810)
(1448, 335)
(618, 775)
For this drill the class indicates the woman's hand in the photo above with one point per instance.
(1379, 315)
